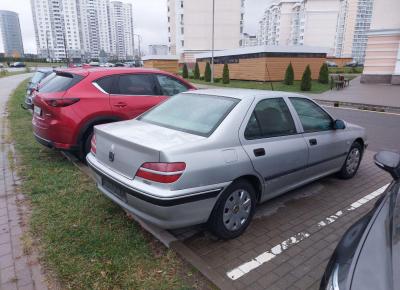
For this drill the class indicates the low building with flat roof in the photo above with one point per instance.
(168, 63)
(265, 63)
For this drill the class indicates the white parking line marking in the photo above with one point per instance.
(267, 256)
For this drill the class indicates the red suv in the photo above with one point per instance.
(69, 105)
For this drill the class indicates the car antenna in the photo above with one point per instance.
(267, 72)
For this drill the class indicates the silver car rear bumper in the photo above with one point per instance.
(187, 207)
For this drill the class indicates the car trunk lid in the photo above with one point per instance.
(125, 146)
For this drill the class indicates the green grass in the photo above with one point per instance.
(85, 240)
(278, 86)
(6, 73)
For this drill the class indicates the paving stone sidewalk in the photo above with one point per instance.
(19, 266)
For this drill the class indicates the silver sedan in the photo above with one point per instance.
(212, 155)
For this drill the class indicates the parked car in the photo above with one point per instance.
(1, 65)
(330, 63)
(352, 64)
(94, 63)
(33, 84)
(69, 105)
(368, 257)
(212, 155)
(17, 64)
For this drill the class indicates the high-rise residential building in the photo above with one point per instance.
(56, 28)
(300, 22)
(353, 24)
(158, 49)
(11, 34)
(83, 28)
(339, 25)
(382, 58)
(249, 40)
(190, 26)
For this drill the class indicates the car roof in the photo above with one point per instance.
(109, 70)
(243, 93)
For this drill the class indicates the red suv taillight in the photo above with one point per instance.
(61, 102)
(93, 145)
(161, 172)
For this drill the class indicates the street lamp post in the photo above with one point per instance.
(139, 37)
(212, 42)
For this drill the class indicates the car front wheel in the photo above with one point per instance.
(352, 162)
(234, 210)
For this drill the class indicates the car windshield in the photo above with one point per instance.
(191, 113)
(37, 77)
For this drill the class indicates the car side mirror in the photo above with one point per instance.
(389, 161)
(339, 125)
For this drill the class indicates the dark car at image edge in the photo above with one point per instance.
(75, 100)
(368, 255)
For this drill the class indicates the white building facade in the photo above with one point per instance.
(338, 25)
(85, 29)
(190, 26)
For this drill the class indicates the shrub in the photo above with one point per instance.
(196, 72)
(289, 75)
(305, 84)
(185, 72)
(217, 80)
(225, 74)
(207, 72)
(323, 77)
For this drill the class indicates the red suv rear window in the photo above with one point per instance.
(61, 82)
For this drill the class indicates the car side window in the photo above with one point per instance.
(270, 118)
(312, 117)
(170, 86)
(107, 84)
(136, 84)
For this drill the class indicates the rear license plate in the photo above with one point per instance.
(114, 188)
(37, 110)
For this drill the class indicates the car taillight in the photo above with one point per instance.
(93, 145)
(61, 102)
(161, 172)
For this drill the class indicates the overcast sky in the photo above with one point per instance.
(149, 16)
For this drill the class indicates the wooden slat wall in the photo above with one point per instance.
(170, 66)
(254, 69)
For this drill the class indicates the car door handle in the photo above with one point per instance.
(120, 105)
(313, 142)
(259, 152)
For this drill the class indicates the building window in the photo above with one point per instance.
(182, 30)
(182, 43)
(181, 4)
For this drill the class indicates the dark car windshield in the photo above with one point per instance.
(60, 82)
(191, 113)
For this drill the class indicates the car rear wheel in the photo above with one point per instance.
(352, 162)
(86, 144)
(234, 210)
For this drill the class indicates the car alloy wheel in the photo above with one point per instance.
(236, 209)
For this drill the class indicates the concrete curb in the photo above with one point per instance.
(364, 107)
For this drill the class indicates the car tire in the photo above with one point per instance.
(86, 145)
(233, 211)
(352, 162)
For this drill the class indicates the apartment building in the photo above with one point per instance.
(158, 49)
(248, 40)
(190, 26)
(339, 25)
(11, 34)
(382, 58)
(85, 29)
(353, 24)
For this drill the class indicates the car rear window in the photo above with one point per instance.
(191, 113)
(37, 77)
(60, 82)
